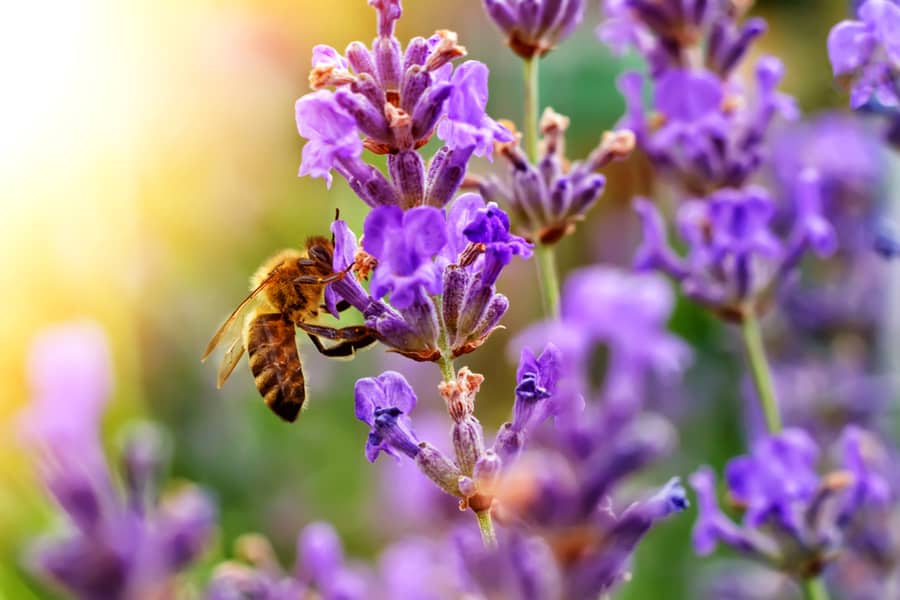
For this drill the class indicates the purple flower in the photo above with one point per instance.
(866, 53)
(534, 27)
(466, 123)
(490, 226)
(419, 255)
(385, 403)
(794, 519)
(119, 545)
(594, 298)
(733, 253)
(396, 99)
(405, 244)
(70, 377)
(320, 570)
(667, 33)
(536, 380)
(331, 132)
(779, 472)
(887, 241)
(550, 197)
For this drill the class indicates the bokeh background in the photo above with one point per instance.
(148, 163)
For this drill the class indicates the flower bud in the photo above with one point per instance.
(369, 120)
(387, 63)
(445, 174)
(143, 456)
(438, 468)
(467, 486)
(487, 472)
(455, 281)
(468, 443)
(408, 172)
(508, 443)
(360, 59)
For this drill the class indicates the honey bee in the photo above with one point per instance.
(287, 293)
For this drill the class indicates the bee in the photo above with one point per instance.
(287, 293)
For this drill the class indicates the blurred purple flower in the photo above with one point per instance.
(734, 256)
(710, 132)
(866, 53)
(534, 27)
(320, 570)
(668, 32)
(116, 546)
(794, 519)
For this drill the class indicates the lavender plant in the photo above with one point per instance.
(120, 539)
(556, 490)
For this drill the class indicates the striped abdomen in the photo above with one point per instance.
(275, 363)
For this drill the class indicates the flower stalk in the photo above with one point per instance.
(486, 527)
(548, 279)
(814, 589)
(760, 370)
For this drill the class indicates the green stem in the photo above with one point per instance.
(532, 107)
(486, 526)
(446, 360)
(545, 256)
(446, 365)
(814, 589)
(548, 280)
(762, 373)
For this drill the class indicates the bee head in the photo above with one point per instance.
(321, 250)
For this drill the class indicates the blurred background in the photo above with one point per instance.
(148, 164)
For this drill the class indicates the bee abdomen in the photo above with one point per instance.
(275, 363)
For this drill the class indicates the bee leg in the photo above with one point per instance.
(350, 339)
(351, 333)
(340, 350)
(340, 306)
(307, 279)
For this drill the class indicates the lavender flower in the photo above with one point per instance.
(405, 245)
(865, 53)
(794, 519)
(549, 198)
(887, 241)
(320, 569)
(384, 403)
(734, 257)
(671, 33)
(534, 27)
(117, 545)
(396, 100)
(556, 510)
(420, 255)
(707, 131)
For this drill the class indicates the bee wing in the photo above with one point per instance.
(228, 326)
(230, 360)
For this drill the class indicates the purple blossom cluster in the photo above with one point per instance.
(793, 518)
(865, 58)
(707, 128)
(391, 101)
(549, 197)
(734, 257)
(119, 541)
